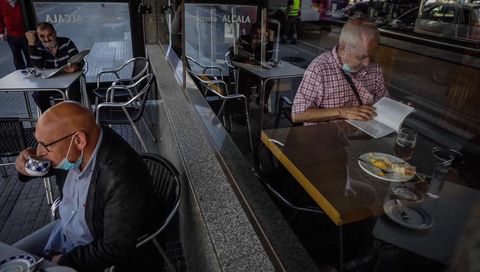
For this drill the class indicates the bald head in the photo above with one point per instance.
(359, 31)
(67, 117)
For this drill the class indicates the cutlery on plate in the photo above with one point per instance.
(403, 213)
(384, 171)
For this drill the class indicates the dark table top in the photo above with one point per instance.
(449, 212)
(318, 157)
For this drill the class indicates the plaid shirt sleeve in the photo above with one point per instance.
(380, 89)
(310, 90)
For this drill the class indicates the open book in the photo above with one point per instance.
(390, 116)
(73, 60)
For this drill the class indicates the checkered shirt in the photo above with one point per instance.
(324, 85)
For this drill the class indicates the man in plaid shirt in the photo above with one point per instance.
(325, 94)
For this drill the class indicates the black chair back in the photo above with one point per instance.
(12, 137)
(166, 182)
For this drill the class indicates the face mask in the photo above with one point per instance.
(345, 67)
(65, 164)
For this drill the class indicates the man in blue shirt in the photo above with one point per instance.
(108, 198)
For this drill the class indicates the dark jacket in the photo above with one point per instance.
(121, 207)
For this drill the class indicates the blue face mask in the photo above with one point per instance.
(347, 69)
(65, 164)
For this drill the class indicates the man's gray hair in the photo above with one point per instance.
(355, 29)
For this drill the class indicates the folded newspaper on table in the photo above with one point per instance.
(390, 116)
(73, 60)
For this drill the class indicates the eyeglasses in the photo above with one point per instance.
(54, 142)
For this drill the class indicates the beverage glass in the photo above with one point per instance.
(405, 143)
(439, 176)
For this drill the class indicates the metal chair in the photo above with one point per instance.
(222, 103)
(128, 112)
(12, 140)
(140, 69)
(204, 69)
(167, 186)
(233, 71)
(285, 109)
(278, 183)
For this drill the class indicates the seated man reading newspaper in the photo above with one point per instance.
(47, 51)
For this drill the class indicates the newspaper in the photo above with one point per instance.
(73, 60)
(390, 116)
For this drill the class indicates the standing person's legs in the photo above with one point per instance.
(15, 46)
(24, 45)
(294, 29)
(35, 242)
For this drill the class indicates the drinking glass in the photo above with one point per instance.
(439, 176)
(405, 143)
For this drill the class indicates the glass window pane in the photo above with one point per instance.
(213, 30)
(104, 27)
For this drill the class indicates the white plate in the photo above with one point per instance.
(20, 263)
(418, 218)
(374, 171)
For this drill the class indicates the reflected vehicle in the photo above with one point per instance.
(359, 9)
(449, 20)
(405, 21)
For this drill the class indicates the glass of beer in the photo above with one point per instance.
(405, 143)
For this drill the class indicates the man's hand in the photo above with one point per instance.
(56, 258)
(72, 68)
(3, 37)
(22, 160)
(363, 113)
(31, 37)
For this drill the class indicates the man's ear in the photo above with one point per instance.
(81, 140)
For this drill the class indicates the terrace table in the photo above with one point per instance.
(7, 251)
(318, 158)
(283, 70)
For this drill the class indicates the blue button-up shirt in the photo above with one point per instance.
(72, 230)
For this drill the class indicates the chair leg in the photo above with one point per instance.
(135, 129)
(249, 131)
(48, 190)
(96, 103)
(164, 256)
(149, 130)
(2, 169)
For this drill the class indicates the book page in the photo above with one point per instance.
(391, 113)
(372, 127)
